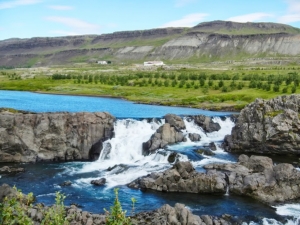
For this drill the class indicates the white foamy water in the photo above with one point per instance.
(226, 127)
(123, 153)
(288, 210)
(267, 221)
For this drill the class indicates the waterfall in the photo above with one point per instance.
(121, 159)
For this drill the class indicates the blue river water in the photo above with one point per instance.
(119, 108)
(44, 179)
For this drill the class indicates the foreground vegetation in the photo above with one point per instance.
(16, 209)
(214, 89)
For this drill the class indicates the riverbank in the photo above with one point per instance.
(210, 89)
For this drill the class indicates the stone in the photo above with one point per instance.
(206, 123)
(33, 137)
(99, 182)
(267, 127)
(253, 176)
(175, 121)
(66, 183)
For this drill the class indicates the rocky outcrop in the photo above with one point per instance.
(28, 137)
(255, 177)
(206, 123)
(178, 214)
(258, 178)
(7, 169)
(169, 133)
(268, 127)
(182, 177)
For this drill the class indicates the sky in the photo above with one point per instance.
(51, 18)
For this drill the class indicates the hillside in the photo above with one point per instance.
(208, 41)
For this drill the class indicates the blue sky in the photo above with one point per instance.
(48, 18)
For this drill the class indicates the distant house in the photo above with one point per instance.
(154, 63)
(102, 62)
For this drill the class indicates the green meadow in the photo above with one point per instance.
(212, 88)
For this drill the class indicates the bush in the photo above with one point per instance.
(117, 216)
(56, 215)
(13, 210)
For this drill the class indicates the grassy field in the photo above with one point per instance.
(215, 89)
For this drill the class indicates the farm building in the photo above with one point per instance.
(102, 62)
(154, 63)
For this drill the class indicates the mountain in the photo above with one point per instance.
(208, 41)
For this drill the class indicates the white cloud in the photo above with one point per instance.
(289, 18)
(60, 7)
(181, 3)
(80, 26)
(293, 6)
(293, 12)
(187, 21)
(13, 4)
(250, 17)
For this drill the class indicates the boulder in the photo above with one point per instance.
(175, 121)
(206, 123)
(267, 127)
(7, 169)
(66, 183)
(164, 135)
(203, 151)
(99, 182)
(194, 137)
(32, 137)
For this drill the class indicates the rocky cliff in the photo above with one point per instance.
(267, 127)
(27, 137)
(210, 40)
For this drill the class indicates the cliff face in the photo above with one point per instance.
(217, 39)
(267, 127)
(26, 137)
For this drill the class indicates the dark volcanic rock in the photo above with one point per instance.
(169, 133)
(205, 152)
(66, 183)
(178, 214)
(99, 182)
(194, 137)
(175, 121)
(7, 169)
(182, 177)
(206, 123)
(255, 177)
(28, 137)
(268, 127)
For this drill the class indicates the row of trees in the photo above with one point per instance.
(224, 82)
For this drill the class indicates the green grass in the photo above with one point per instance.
(149, 86)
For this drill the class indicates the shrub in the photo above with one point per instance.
(117, 216)
(276, 88)
(56, 215)
(13, 210)
(284, 90)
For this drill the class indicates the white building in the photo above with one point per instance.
(102, 62)
(154, 63)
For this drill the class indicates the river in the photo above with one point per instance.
(131, 130)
